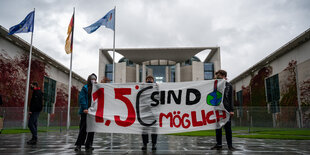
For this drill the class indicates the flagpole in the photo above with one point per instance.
(28, 82)
(113, 63)
(70, 75)
(114, 45)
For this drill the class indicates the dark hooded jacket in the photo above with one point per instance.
(36, 102)
(228, 98)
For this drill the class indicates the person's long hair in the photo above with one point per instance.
(90, 88)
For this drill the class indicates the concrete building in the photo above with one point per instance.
(52, 77)
(280, 85)
(165, 64)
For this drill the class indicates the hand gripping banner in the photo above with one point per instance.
(157, 108)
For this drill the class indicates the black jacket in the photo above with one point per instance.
(36, 103)
(228, 98)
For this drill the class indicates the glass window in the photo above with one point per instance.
(49, 94)
(240, 101)
(159, 73)
(273, 93)
(208, 75)
(208, 67)
(187, 62)
(109, 75)
(172, 74)
(109, 71)
(239, 97)
(109, 68)
(272, 87)
(208, 71)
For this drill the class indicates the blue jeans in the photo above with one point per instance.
(33, 124)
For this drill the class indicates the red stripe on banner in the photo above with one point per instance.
(99, 94)
(215, 85)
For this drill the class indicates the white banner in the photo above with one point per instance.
(157, 108)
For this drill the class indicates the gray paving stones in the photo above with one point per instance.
(63, 143)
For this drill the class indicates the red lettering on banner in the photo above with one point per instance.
(218, 116)
(194, 120)
(119, 94)
(99, 94)
(210, 121)
(187, 121)
(177, 119)
(161, 115)
(204, 119)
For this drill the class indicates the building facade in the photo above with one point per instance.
(52, 77)
(165, 64)
(277, 88)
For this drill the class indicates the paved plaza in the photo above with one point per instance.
(63, 143)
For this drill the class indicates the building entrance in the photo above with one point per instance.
(159, 73)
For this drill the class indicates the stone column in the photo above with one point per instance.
(177, 72)
(143, 73)
(167, 74)
(137, 73)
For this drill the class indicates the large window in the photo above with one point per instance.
(159, 73)
(239, 97)
(273, 93)
(240, 101)
(109, 71)
(208, 71)
(172, 73)
(49, 94)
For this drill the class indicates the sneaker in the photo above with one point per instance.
(216, 147)
(231, 148)
(32, 142)
(77, 148)
(154, 147)
(144, 147)
(89, 148)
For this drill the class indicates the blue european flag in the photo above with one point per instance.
(108, 21)
(25, 26)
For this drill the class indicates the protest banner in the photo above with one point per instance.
(160, 108)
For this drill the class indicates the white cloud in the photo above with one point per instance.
(246, 31)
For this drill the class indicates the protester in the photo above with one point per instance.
(105, 80)
(145, 136)
(229, 106)
(85, 102)
(36, 105)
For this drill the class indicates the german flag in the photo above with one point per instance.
(69, 40)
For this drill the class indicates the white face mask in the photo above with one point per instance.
(93, 81)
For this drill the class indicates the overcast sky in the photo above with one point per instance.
(245, 30)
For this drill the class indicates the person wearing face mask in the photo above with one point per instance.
(84, 103)
(229, 106)
(35, 108)
(145, 136)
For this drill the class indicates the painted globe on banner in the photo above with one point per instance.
(214, 98)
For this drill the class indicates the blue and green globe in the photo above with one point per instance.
(214, 98)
